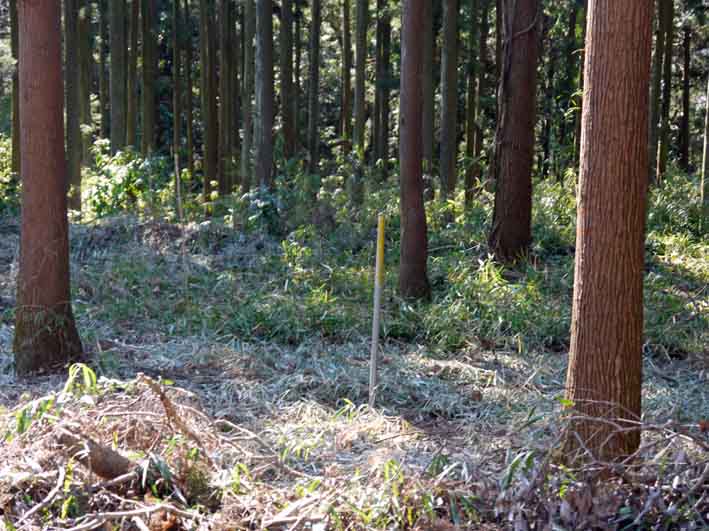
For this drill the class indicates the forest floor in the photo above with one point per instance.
(232, 367)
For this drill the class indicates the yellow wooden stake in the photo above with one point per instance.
(378, 285)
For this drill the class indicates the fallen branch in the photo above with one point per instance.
(173, 416)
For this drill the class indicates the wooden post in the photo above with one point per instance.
(378, 284)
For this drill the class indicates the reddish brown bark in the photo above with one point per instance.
(511, 231)
(413, 282)
(605, 361)
(45, 333)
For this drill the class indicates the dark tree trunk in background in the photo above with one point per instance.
(384, 75)
(119, 64)
(298, 43)
(499, 31)
(471, 107)
(571, 62)
(189, 104)
(226, 100)
(664, 148)
(14, 48)
(428, 106)
(511, 231)
(413, 281)
(360, 62)
(287, 100)
(656, 86)
(208, 96)
(579, 98)
(73, 102)
(264, 93)
(149, 71)
(45, 333)
(104, 84)
(549, 114)
(684, 139)
(86, 47)
(313, 89)
(449, 99)
(704, 187)
(247, 94)
(605, 359)
(346, 73)
(176, 90)
(132, 80)
(235, 93)
(482, 88)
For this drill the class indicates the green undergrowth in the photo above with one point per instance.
(207, 278)
(269, 266)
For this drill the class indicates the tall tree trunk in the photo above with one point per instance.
(482, 88)
(413, 281)
(511, 231)
(571, 62)
(226, 74)
(264, 93)
(209, 96)
(149, 71)
(313, 86)
(471, 106)
(384, 75)
(656, 87)
(346, 74)
(73, 102)
(118, 74)
(176, 103)
(605, 360)
(684, 124)
(287, 79)
(132, 80)
(247, 94)
(297, 70)
(360, 62)
(429, 97)
(235, 92)
(379, 77)
(449, 99)
(581, 88)
(704, 191)
(104, 85)
(189, 104)
(45, 333)
(548, 112)
(499, 35)
(14, 48)
(664, 148)
(86, 46)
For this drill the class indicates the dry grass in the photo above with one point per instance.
(459, 440)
